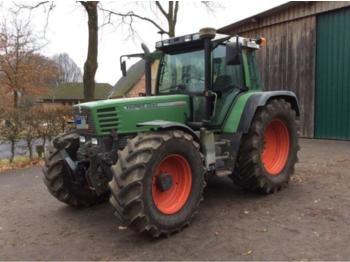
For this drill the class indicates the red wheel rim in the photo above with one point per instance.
(173, 199)
(276, 147)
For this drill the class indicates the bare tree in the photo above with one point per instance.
(90, 66)
(22, 70)
(68, 71)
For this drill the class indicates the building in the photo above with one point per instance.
(73, 93)
(129, 85)
(308, 52)
(133, 84)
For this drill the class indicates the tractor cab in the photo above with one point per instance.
(210, 68)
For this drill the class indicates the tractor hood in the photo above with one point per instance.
(124, 114)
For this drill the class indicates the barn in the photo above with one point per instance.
(308, 52)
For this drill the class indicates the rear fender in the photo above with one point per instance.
(249, 104)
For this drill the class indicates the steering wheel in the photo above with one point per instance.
(180, 88)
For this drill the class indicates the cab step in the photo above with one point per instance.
(225, 156)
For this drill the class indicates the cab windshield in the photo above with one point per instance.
(182, 72)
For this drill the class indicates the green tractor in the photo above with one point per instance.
(150, 155)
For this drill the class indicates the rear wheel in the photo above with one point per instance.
(158, 182)
(268, 152)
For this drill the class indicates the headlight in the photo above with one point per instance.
(158, 44)
(94, 141)
(188, 38)
(82, 139)
(195, 37)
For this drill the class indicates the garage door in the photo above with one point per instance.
(332, 109)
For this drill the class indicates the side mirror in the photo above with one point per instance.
(145, 49)
(233, 53)
(123, 67)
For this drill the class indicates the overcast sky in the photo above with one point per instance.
(67, 28)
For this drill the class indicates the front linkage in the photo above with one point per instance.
(87, 164)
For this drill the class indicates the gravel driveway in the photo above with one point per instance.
(310, 220)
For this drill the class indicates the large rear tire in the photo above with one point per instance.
(268, 152)
(158, 182)
(58, 179)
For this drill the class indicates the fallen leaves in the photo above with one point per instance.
(249, 252)
(17, 164)
(263, 230)
(297, 179)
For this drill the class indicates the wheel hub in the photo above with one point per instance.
(171, 184)
(276, 147)
(164, 181)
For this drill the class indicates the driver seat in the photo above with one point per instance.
(222, 84)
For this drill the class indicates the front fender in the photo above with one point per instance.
(168, 125)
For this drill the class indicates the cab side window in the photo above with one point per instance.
(225, 77)
(227, 82)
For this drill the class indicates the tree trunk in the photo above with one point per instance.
(30, 149)
(44, 141)
(15, 99)
(90, 65)
(171, 29)
(13, 143)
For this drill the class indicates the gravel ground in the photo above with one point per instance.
(307, 221)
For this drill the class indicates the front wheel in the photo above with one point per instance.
(158, 182)
(58, 178)
(268, 152)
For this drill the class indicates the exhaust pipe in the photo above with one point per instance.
(207, 34)
(148, 70)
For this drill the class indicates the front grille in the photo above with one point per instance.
(107, 119)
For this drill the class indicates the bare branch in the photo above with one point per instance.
(211, 6)
(161, 9)
(30, 7)
(131, 15)
(51, 5)
(175, 12)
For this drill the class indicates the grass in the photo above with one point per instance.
(19, 162)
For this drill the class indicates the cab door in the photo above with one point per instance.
(227, 83)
